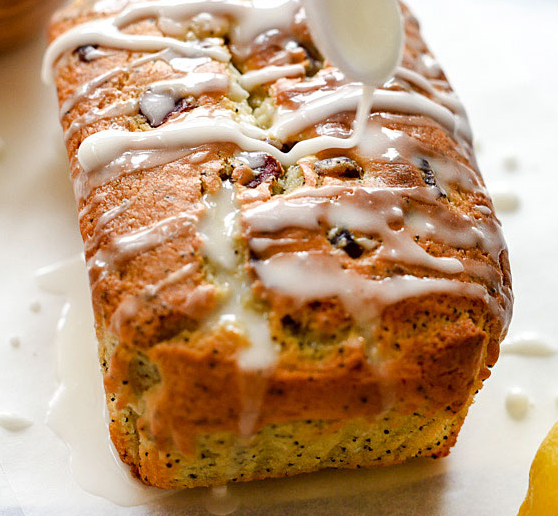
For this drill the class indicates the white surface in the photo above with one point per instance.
(500, 55)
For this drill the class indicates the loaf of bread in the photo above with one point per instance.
(273, 296)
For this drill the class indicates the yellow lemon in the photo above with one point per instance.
(542, 495)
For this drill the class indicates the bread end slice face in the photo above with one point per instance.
(338, 411)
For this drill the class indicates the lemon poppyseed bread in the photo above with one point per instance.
(273, 296)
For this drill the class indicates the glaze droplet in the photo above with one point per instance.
(511, 163)
(14, 422)
(35, 306)
(505, 200)
(478, 146)
(517, 403)
(14, 341)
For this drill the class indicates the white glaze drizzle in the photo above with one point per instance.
(251, 21)
(219, 230)
(453, 172)
(91, 53)
(449, 100)
(205, 23)
(102, 148)
(323, 104)
(105, 32)
(156, 106)
(315, 110)
(365, 210)
(129, 307)
(218, 227)
(173, 278)
(254, 78)
(126, 108)
(354, 208)
(131, 244)
(286, 122)
(192, 84)
(103, 154)
(386, 144)
(303, 276)
(87, 89)
(127, 163)
(102, 221)
(160, 99)
(259, 244)
(307, 276)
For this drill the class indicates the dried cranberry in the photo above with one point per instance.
(83, 52)
(428, 175)
(344, 240)
(269, 170)
(182, 106)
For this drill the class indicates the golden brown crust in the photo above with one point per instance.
(176, 394)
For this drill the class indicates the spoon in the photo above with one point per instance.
(363, 38)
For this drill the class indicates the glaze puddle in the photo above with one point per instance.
(77, 411)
